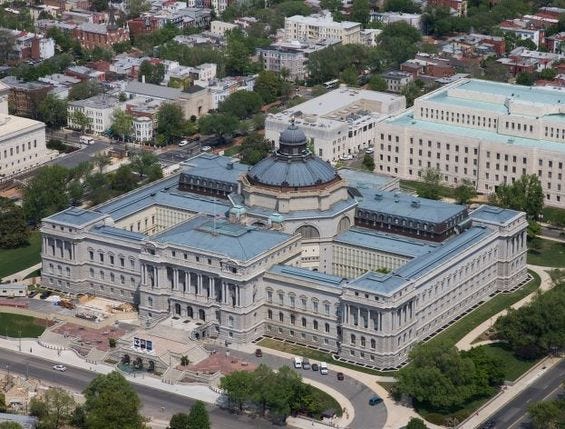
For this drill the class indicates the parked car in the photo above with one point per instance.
(489, 424)
(45, 294)
(375, 400)
(258, 352)
(297, 362)
(369, 150)
(323, 368)
(306, 364)
(340, 376)
(59, 367)
(206, 148)
(183, 143)
(315, 367)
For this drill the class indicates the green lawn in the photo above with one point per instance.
(554, 216)
(16, 325)
(327, 401)
(15, 260)
(547, 253)
(416, 186)
(501, 301)
(513, 366)
(231, 151)
(314, 355)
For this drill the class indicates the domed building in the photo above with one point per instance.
(302, 191)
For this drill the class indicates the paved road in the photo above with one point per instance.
(553, 232)
(75, 158)
(514, 414)
(366, 416)
(77, 379)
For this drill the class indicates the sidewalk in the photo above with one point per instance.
(466, 342)
(398, 415)
(19, 276)
(506, 395)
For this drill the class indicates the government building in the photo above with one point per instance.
(490, 133)
(289, 248)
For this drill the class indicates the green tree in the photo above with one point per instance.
(111, 402)
(53, 111)
(45, 193)
(465, 192)
(548, 414)
(237, 53)
(171, 125)
(398, 42)
(122, 124)
(360, 11)
(238, 387)
(525, 78)
(146, 165)
(97, 188)
(331, 5)
(218, 123)
(2, 402)
(369, 162)
(377, 83)
(179, 421)
(100, 5)
(254, 148)
(349, 76)
(198, 417)
(153, 73)
(432, 178)
(123, 180)
(79, 120)
(10, 425)
(7, 41)
(59, 405)
(406, 6)
(241, 104)
(13, 226)
(412, 91)
(548, 74)
(84, 90)
(136, 7)
(101, 160)
(270, 86)
(525, 194)
(416, 423)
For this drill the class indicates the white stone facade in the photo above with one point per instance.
(99, 109)
(316, 28)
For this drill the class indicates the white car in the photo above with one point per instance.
(346, 157)
(59, 367)
(183, 143)
(369, 150)
(206, 148)
(324, 368)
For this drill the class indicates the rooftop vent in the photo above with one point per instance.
(229, 165)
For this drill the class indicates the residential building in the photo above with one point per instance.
(220, 89)
(61, 84)
(85, 73)
(339, 123)
(522, 59)
(142, 25)
(25, 96)
(555, 44)
(288, 249)
(369, 36)
(524, 30)
(99, 109)
(489, 133)
(315, 28)
(428, 66)
(397, 80)
(413, 19)
(91, 35)
(474, 46)
(31, 46)
(457, 7)
(219, 28)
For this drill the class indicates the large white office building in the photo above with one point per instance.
(487, 132)
(315, 28)
(22, 141)
(292, 249)
(341, 122)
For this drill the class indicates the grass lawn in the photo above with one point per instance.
(15, 260)
(547, 253)
(231, 151)
(554, 216)
(327, 401)
(12, 324)
(416, 186)
(513, 366)
(501, 301)
(313, 355)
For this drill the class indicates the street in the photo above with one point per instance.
(514, 414)
(153, 400)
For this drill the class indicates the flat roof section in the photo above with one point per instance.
(75, 216)
(214, 167)
(496, 215)
(308, 275)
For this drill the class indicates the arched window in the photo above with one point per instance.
(308, 232)
(292, 319)
(343, 225)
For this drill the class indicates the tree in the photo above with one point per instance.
(412, 91)
(237, 53)
(270, 86)
(99, 5)
(45, 193)
(465, 192)
(548, 414)
(79, 120)
(171, 125)
(122, 123)
(101, 160)
(432, 178)
(331, 5)
(123, 180)
(184, 361)
(349, 76)
(198, 417)
(53, 111)
(59, 406)
(218, 123)
(548, 74)
(369, 162)
(136, 7)
(241, 104)
(525, 78)
(13, 225)
(2, 402)
(360, 11)
(10, 425)
(153, 73)
(146, 165)
(7, 41)
(97, 188)
(179, 421)
(84, 90)
(377, 83)
(254, 148)
(238, 387)
(416, 423)
(525, 194)
(406, 6)
(398, 42)
(111, 402)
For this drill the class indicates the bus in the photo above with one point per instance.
(331, 84)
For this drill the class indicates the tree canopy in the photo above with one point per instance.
(432, 178)
(45, 193)
(153, 73)
(85, 89)
(13, 225)
(241, 104)
(218, 123)
(54, 409)
(171, 125)
(254, 149)
(525, 194)
(549, 414)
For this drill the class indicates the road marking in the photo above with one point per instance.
(528, 401)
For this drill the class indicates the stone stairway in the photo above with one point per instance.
(172, 376)
(96, 356)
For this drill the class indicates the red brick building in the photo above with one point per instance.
(143, 25)
(91, 36)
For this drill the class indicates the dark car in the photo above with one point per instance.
(374, 400)
(340, 376)
(45, 294)
(258, 352)
(315, 367)
(489, 424)
(306, 364)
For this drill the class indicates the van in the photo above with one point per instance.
(86, 140)
(323, 368)
(298, 362)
